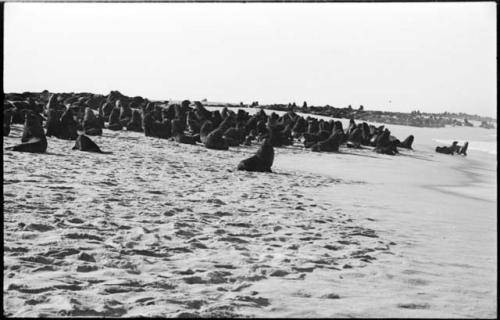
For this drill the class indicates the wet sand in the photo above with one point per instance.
(162, 229)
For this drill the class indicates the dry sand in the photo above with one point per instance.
(162, 229)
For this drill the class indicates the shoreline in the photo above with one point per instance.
(433, 230)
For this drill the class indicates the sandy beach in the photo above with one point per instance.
(162, 229)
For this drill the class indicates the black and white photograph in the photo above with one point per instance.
(191, 159)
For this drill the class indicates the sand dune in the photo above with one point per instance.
(161, 229)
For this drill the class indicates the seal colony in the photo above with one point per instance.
(160, 228)
(64, 115)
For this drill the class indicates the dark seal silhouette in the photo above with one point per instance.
(147, 125)
(53, 123)
(262, 161)
(407, 142)
(30, 130)
(91, 125)
(205, 130)
(33, 139)
(448, 150)
(114, 120)
(178, 127)
(135, 123)
(83, 143)
(385, 145)
(125, 113)
(355, 138)
(329, 145)
(215, 140)
(68, 126)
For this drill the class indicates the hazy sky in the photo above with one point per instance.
(393, 56)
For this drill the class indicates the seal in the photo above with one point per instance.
(216, 118)
(215, 139)
(19, 109)
(29, 129)
(68, 126)
(106, 109)
(147, 125)
(365, 134)
(91, 125)
(36, 142)
(385, 145)
(114, 120)
(448, 150)
(51, 104)
(329, 145)
(463, 150)
(125, 113)
(262, 161)
(178, 133)
(135, 123)
(251, 123)
(351, 126)
(193, 123)
(168, 112)
(201, 112)
(53, 123)
(355, 138)
(162, 130)
(242, 116)
(235, 136)
(83, 143)
(205, 130)
(311, 139)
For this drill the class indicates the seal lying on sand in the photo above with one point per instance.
(178, 133)
(155, 128)
(33, 136)
(83, 143)
(261, 161)
(385, 145)
(329, 145)
(448, 150)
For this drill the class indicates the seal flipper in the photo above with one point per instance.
(84, 143)
(407, 142)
